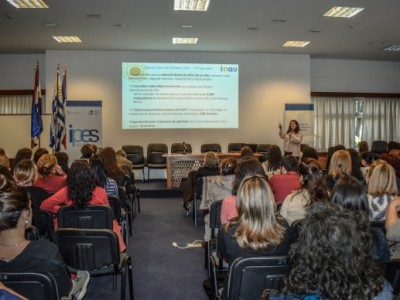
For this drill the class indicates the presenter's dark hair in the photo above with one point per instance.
(80, 184)
(333, 255)
(296, 130)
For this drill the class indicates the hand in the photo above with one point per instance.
(396, 203)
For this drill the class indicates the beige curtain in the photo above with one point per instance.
(381, 119)
(17, 105)
(334, 122)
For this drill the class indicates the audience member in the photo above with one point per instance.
(257, 230)
(246, 151)
(309, 152)
(124, 163)
(210, 168)
(293, 138)
(363, 147)
(392, 225)
(285, 183)
(97, 166)
(273, 163)
(366, 160)
(355, 165)
(38, 154)
(217, 188)
(382, 189)
(23, 153)
(87, 151)
(81, 190)
(393, 145)
(63, 161)
(25, 174)
(394, 161)
(247, 166)
(4, 160)
(332, 259)
(51, 176)
(350, 194)
(113, 170)
(313, 189)
(6, 172)
(17, 254)
(340, 165)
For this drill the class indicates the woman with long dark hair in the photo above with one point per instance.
(81, 190)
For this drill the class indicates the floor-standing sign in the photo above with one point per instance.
(83, 126)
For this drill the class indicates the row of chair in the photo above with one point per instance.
(156, 160)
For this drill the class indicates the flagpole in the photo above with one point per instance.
(37, 66)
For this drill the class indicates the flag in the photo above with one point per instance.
(57, 125)
(36, 113)
(64, 99)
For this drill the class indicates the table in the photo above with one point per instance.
(179, 165)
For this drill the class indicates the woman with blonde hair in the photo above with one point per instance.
(382, 189)
(340, 165)
(257, 230)
(51, 176)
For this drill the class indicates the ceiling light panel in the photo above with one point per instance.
(67, 39)
(28, 3)
(193, 5)
(343, 12)
(187, 41)
(296, 44)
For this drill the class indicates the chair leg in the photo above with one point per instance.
(123, 282)
(138, 199)
(143, 177)
(194, 210)
(130, 278)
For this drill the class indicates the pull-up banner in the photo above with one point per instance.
(304, 114)
(84, 126)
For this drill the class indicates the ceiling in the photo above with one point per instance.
(256, 26)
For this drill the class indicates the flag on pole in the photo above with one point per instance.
(36, 113)
(64, 99)
(57, 125)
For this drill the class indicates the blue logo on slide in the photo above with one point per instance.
(228, 69)
(83, 135)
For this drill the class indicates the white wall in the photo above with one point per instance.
(355, 76)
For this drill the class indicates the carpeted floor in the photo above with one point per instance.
(160, 271)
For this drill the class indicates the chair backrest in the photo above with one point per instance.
(215, 216)
(210, 147)
(295, 229)
(180, 148)
(235, 147)
(87, 249)
(391, 272)
(34, 286)
(155, 152)
(263, 149)
(198, 187)
(249, 276)
(379, 147)
(379, 224)
(45, 225)
(91, 217)
(32, 233)
(134, 153)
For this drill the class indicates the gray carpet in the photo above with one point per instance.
(160, 271)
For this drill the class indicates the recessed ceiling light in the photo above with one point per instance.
(50, 24)
(295, 44)
(315, 31)
(187, 26)
(252, 28)
(196, 5)
(120, 25)
(187, 41)
(93, 16)
(278, 21)
(393, 48)
(28, 3)
(343, 12)
(67, 39)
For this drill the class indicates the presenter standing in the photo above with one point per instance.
(293, 138)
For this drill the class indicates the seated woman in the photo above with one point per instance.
(247, 166)
(25, 174)
(350, 194)
(210, 168)
(392, 225)
(257, 230)
(107, 183)
(51, 176)
(332, 260)
(81, 190)
(340, 165)
(382, 188)
(17, 254)
(313, 189)
(273, 164)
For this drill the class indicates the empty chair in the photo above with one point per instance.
(135, 154)
(33, 286)
(234, 147)
(210, 147)
(96, 251)
(155, 159)
(379, 147)
(181, 148)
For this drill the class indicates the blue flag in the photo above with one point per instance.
(36, 113)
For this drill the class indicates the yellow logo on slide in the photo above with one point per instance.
(135, 72)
